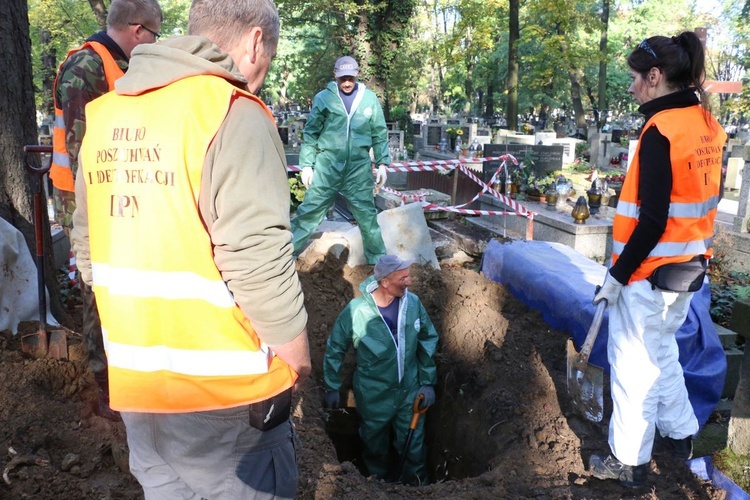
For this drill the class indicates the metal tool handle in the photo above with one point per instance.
(37, 148)
(38, 233)
(596, 324)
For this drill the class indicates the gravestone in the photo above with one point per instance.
(469, 130)
(434, 134)
(733, 179)
(742, 220)
(416, 129)
(545, 138)
(284, 134)
(505, 136)
(396, 139)
(617, 134)
(569, 148)
(741, 151)
(545, 158)
(601, 149)
(484, 135)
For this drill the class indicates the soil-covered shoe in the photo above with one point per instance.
(681, 449)
(102, 407)
(611, 468)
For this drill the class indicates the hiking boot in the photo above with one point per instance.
(631, 476)
(682, 449)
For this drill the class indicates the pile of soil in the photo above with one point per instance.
(502, 427)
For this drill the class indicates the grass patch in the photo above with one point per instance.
(736, 468)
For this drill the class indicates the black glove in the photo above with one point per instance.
(429, 396)
(332, 399)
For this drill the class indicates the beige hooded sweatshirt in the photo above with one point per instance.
(244, 196)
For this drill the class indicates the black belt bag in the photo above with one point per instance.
(267, 414)
(681, 276)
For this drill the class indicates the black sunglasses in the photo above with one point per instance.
(645, 46)
(156, 35)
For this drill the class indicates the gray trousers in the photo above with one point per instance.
(210, 455)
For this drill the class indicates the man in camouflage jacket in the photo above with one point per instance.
(81, 79)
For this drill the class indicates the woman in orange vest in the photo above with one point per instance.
(662, 238)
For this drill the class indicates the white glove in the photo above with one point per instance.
(609, 291)
(307, 176)
(381, 176)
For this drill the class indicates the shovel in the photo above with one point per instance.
(585, 381)
(37, 344)
(416, 412)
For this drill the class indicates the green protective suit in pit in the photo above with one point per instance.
(387, 378)
(337, 146)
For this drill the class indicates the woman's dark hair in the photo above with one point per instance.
(681, 58)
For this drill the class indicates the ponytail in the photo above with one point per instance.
(681, 58)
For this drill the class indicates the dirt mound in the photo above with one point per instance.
(502, 426)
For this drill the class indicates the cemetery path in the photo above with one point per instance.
(502, 427)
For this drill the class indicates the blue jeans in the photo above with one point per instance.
(213, 454)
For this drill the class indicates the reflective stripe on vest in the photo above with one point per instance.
(185, 361)
(60, 172)
(175, 339)
(695, 155)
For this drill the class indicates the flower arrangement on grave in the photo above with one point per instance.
(297, 191)
(527, 129)
(539, 184)
(454, 132)
(519, 175)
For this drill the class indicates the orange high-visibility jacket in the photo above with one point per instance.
(696, 141)
(175, 339)
(60, 172)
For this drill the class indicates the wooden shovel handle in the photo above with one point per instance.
(596, 324)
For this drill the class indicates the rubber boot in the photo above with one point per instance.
(102, 405)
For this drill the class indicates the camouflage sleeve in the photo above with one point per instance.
(81, 80)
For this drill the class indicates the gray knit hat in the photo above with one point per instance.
(389, 264)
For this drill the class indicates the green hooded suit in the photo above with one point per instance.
(337, 145)
(388, 376)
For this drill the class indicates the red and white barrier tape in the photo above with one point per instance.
(447, 166)
(72, 268)
(431, 166)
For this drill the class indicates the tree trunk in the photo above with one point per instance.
(490, 101)
(49, 70)
(469, 80)
(602, 118)
(575, 97)
(100, 12)
(512, 82)
(18, 128)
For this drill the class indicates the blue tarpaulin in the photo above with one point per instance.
(560, 282)
(704, 468)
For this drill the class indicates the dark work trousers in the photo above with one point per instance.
(92, 330)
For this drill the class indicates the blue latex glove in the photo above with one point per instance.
(429, 396)
(332, 399)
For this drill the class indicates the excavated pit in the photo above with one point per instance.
(495, 394)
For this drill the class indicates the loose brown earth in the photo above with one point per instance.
(502, 427)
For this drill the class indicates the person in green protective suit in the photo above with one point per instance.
(395, 342)
(346, 120)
